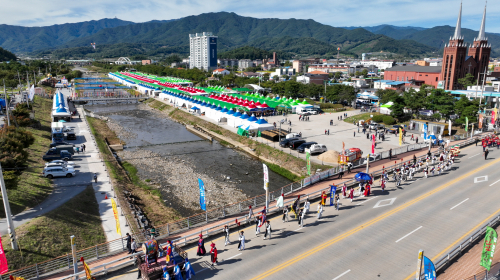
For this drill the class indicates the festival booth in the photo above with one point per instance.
(386, 108)
(263, 125)
(368, 97)
(234, 119)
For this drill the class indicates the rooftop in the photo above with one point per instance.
(416, 68)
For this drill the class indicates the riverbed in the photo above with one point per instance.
(171, 158)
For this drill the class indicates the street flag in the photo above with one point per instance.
(333, 190)
(429, 269)
(400, 137)
(480, 125)
(202, 195)
(88, 272)
(425, 132)
(373, 143)
(466, 124)
(493, 116)
(266, 176)
(308, 159)
(115, 213)
(4, 267)
(490, 242)
(449, 127)
(32, 92)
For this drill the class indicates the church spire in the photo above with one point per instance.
(458, 28)
(482, 35)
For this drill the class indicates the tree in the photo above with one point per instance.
(466, 108)
(397, 109)
(386, 95)
(338, 75)
(364, 72)
(467, 81)
(414, 100)
(357, 74)
(442, 101)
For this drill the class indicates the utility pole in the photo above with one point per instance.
(19, 86)
(6, 103)
(10, 224)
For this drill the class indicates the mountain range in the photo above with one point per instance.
(114, 37)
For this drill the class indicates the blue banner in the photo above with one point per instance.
(202, 195)
(425, 132)
(429, 269)
(333, 190)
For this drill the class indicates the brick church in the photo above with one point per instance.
(457, 62)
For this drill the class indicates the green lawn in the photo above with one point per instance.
(363, 116)
(47, 237)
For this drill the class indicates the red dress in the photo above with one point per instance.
(213, 254)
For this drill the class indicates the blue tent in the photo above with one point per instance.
(2, 102)
(261, 121)
(194, 108)
(244, 116)
(252, 119)
(237, 114)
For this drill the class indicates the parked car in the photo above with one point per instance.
(312, 111)
(292, 135)
(295, 144)
(55, 144)
(302, 148)
(70, 136)
(286, 142)
(54, 155)
(60, 162)
(317, 149)
(376, 126)
(58, 171)
(395, 129)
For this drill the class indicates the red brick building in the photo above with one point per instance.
(414, 74)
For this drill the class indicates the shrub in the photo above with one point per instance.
(378, 118)
(388, 120)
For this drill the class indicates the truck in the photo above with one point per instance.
(350, 155)
(53, 155)
(57, 129)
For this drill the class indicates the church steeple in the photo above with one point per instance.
(482, 35)
(458, 28)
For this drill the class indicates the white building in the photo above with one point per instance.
(221, 71)
(380, 64)
(203, 51)
(245, 63)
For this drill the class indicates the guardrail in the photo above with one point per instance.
(100, 251)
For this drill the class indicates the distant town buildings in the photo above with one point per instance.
(245, 63)
(414, 74)
(228, 62)
(221, 71)
(203, 51)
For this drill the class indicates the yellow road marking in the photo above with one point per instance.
(458, 240)
(367, 224)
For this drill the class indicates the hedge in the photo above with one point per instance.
(388, 120)
(378, 118)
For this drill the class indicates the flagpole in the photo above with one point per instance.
(28, 79)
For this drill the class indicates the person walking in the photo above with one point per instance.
(299, 221)
(133, 247)
(257, 225)
(351, 194)
(213, 254)
(320, 210)
(390, 154)
(349, 166)
(355, 133)
(344, 191)
(95, 177)
(285, 214)
(241, 245)
(486, 152)
(250, 214)
(188, 269)
(337, 201)
(137, 261)
(77, 150)
(129, 242)
(83, 147)
(307, 205)
(268, 230)
(201, 246)
(226, 233)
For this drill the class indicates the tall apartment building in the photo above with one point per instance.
(203, 51)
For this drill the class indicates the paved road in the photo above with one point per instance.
(374, 238)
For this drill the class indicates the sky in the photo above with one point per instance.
(338, 13)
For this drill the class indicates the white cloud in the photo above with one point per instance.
(425, 13)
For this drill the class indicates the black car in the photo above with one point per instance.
(318, 110)
(70, 136)
(302, 148)
(286, 142)
(295, 144)
(55, 144)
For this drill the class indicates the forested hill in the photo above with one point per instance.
(237, 31)
(5, 55)
(27, 39)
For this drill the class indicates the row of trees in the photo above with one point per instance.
(441, 102)
(14, 72)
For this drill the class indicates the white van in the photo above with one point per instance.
(317, 149)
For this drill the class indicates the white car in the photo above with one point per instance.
(312, 112)
(317, 149)
(58, 171)
(60, 162)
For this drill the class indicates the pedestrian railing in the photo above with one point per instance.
(236, 211)
(494, 273)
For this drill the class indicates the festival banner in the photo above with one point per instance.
(490, 242)
(493, 116)
(466, 124)
(266, 176)
(4, 267)
(400, 137)
(308, 159)
(115, 213)
(425, 131)
(202, 195)
(429, 269)
(88, 272)
(373, 143)
(480, 125)
(449, 127)
(333, 190)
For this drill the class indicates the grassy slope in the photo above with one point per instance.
(33, 188)
(47, 236)
(286, 161)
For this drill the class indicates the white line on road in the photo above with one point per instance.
(495, 183)
(233, 256)
(474, 155)
(341, 275)
(298, 229)
(365, 201)
(458, 204)
(408, 234)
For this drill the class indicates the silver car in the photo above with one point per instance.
(58, 171)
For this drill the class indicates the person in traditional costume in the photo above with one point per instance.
(241, 245)
(257, 225)
(168, 250)
(344, 191)
(367, 190)
(201, 246)
(188, 269)
(324, 196)
(268, 230)
(307, 205)
(426, 170)
(285, 214)
(382, 185)
(337, 201)
(351, 194)
(166, 275)
(226, 233)
(213, 254)
(320, 210)
(177, 272)
(250, 214)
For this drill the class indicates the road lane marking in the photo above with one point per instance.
(365, 201)
(408, 234)
(481, 179)
(495, 183)
(458, 204)
(233, 256)
(385, 202)
(474, 155)
(342, 275)
(298, 229)
(369, 223)
(411, 276)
